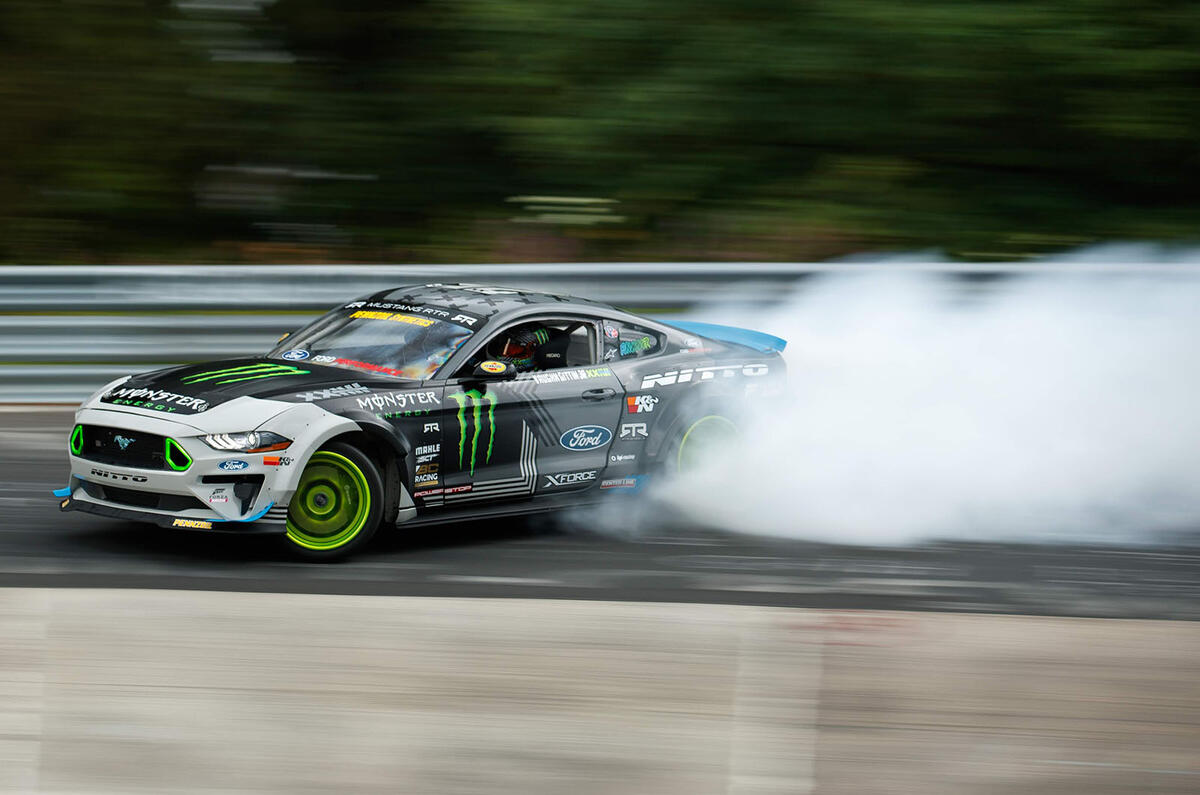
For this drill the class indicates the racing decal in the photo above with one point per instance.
(194, 524)
(611, 331)
(219, 495)
(277, 460)
(346, 390)
(154, 399)
(493, 367)
(431, 427)
(585, 437)
(633, 482)
(476, 400)
(687, 374)
(399, 400)
(640, 404)
(455, 316)
(504, 487)
(560, 376)
(396, 317)
(104, 473)
(324, 358)
(634, 347)
(569, 478)
(375, 368)
(249, 372)
(634, 431)
(294, 355)
(617, 459)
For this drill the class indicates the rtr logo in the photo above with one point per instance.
(634, 430)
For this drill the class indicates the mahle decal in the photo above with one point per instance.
(248, 372)
(476, 400)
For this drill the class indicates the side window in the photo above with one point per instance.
(544, 344)
(625, 341)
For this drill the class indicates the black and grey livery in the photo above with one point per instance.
(390, 410)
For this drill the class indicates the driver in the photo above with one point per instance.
(518, 347)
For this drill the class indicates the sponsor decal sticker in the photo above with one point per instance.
(294, 355)
(633, 482)
(585, 437)
(219, 495)
(476, 401)
(427, 493)
(65, 503)
(427, 469)
(616, 459)
(104, 473)
(570, 478)
(194, 524)
(493, 367)
(234, 465)
(249, 372)
(396, 317)
(425, 449)
(688, 374)
(640, 404)
(277, 460)
(431, 427)
(459, 489)
(346, 390)
(324, 358)
(399, 400)
(634, 347)
(154, 399)
(123, 441)
(611, 332)
(634, 431)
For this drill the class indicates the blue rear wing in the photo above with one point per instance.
(757, 340)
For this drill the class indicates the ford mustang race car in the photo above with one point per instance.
(419, 404)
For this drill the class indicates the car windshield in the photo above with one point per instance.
(364, 336)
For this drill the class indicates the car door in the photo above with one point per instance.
(539, 433)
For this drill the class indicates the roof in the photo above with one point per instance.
(484, 300)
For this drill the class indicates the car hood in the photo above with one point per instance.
(196, 388)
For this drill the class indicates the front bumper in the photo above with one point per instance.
(250, 495)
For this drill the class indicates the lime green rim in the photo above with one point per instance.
(331, 504)
(700, 432)
(77, 440)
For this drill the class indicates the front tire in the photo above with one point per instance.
(338, 505)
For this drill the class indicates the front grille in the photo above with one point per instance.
(142, 499)
(141, 450)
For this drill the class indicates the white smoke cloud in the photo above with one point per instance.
(1062, 408)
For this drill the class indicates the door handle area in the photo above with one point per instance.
(604, 393)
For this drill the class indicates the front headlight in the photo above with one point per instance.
(247, 442)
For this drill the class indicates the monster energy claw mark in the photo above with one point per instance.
(475, 399)
(247, 372)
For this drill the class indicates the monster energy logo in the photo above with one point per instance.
(475, 399)
(248, 372)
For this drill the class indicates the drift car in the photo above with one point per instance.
(420, 404)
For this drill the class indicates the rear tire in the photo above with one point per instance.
(699, 441)
(338, 505)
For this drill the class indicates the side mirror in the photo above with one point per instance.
(492, 370)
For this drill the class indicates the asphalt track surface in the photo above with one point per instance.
(540, 558)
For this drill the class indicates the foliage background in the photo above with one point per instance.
(473, 130)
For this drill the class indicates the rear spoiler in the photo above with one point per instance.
(757, 340)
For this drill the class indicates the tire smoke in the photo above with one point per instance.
(1058, 408)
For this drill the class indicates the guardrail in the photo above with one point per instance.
(66, 330)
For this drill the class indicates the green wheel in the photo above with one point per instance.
(338, 504)
(706, 439)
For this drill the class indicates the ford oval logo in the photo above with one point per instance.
(586, 437)
(233, 466)
(294, 355)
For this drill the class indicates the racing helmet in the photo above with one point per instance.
(518, 346)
